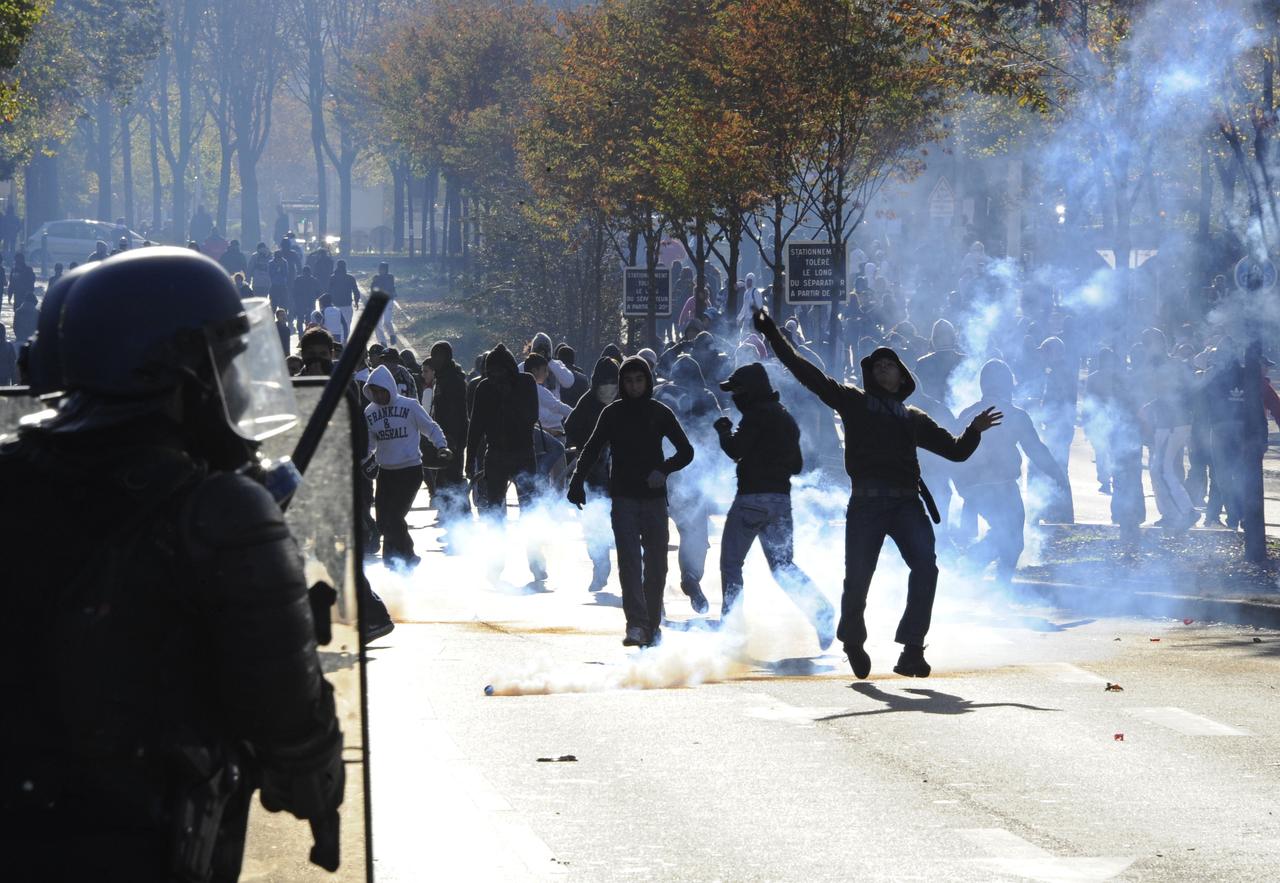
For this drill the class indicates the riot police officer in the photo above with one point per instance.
(166, 666)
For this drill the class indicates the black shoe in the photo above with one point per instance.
(911, 663)
(637, 636)
(859, 659)
(372, 633)
(539, 573)
(696, 598)
(655, 638)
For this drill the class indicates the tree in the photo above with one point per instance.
(175, 111)
(116, 40)
(246, 38)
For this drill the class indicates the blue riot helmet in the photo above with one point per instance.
(145, 324)
(42, 357)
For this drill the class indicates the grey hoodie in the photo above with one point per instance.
(394, 427)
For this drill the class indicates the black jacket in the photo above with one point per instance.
(634, 430)
(881, 433)
(582, 422)
(766, 444)
(503, 415)
(449, 404)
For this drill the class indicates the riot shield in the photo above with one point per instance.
(323, 518)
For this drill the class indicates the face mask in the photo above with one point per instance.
(607, 392)
(741, 401)
(317, 367)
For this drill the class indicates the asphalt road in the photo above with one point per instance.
(747, 754)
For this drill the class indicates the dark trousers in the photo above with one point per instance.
(392, 499)
(869, 521)
(451, 493)
(999, 504)
(640, 533)
(501, 471)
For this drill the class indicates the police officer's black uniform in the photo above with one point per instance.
(164, 661)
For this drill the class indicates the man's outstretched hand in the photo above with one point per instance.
(577, 494)
(987, 419)
(763, 322)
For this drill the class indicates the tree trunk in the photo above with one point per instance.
(322, 181)
(344, 170)
(224, 187)
(453, 197)
(408, 199)
(464, 205)
(157, 184)
(397, 207)
(429, 210)
(250, 212)
(102, 164)
(1206, 198)
(126, 164)
(41, 186)
(445, 218)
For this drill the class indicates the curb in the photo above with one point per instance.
(1098, 601)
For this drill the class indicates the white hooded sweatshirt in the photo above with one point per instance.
(394, 427)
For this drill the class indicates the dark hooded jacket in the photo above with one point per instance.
(687, 395)
(634, 429)
(579, 425)
(766, 444)
(502, 418)
(449, 399)
(881, 433)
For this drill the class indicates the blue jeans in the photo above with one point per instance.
(869, 521)
(999, 504)
(768, 516)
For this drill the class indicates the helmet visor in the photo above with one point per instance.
(252, 375)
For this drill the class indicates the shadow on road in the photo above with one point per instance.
(930, 702)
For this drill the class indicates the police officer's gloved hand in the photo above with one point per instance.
(577, 494)
(723, 424)
(307, 780)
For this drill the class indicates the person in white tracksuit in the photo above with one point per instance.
(395, 422)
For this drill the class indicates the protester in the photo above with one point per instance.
(500, 444)
(881, 436)
(578, 428)
(634, 428)
(395, 422)
(766, 448)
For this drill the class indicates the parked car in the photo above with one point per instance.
(74, 240)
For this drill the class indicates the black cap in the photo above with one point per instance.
(750, 377)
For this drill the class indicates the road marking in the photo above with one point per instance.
(1186, 722)
(1067, 673)
(1012, 855)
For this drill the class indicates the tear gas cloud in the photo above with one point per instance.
(1166, 88)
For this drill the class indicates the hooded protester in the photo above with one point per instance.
(343, 290)
(559, 374)
(548, 435)
(595, 524)
(305, 291)
(766, 447)
(1055, 411)
(936, 367)
(694, 405)
(278, 271)
(881, 437)
(571, 393)
(233, 260)
(715, 365)
(611, 351)
(449, 410)
(385, 282)
(259, 274)
(989, 481)
(321, 264)
(634, 427)
(500, 443)
(395, 422)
